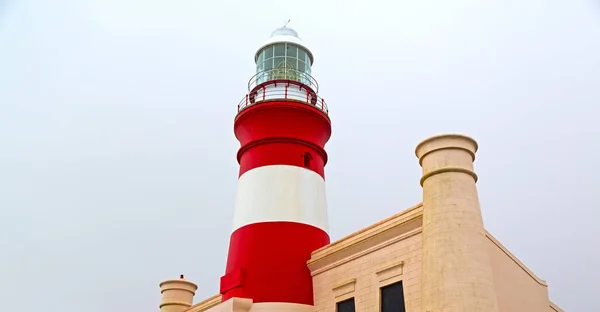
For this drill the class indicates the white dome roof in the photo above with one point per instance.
(285, 34)
(284, 31)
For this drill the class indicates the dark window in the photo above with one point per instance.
(345, 306)
(307, 158)
(392, 298)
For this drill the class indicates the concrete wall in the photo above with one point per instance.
(360, 264)
(517, 288)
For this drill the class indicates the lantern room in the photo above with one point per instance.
(283, 72)
(284, 52)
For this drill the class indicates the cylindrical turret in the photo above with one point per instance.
(456, 268)
(177, 295)
(280, 210)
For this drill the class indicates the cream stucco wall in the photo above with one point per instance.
(358, 265)
(517, 288)
(356, 272)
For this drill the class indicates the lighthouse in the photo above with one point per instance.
(280, 215)
(433, 256)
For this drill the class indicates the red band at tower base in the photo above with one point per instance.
(267, 262)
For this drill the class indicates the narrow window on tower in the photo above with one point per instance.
(345, 306)
(392, 298)
(307, 158)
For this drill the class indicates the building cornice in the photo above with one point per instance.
(379, 235)
(205, 304)
(556, 308)
(517, 261)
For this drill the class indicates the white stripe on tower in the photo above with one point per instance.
(281, 193)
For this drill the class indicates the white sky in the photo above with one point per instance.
(117, 154)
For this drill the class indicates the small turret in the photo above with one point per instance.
(177, 295)
(457, 272)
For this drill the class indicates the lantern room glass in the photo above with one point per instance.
(283, 61)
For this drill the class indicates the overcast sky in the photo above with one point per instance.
(117, 153)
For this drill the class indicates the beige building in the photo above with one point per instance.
(433, 257)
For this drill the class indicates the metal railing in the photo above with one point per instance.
(280, 74)
(290, 93)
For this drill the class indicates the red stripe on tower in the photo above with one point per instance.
(280, 211)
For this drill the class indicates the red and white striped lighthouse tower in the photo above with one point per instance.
(280, 211)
